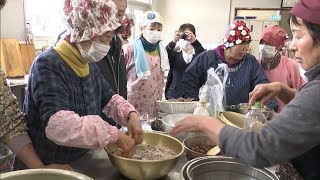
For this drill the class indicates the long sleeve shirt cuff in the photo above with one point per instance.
(119, 109)
(67, 128)
(171, 45)
(196, 43)
(227, 132)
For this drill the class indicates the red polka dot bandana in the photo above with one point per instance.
(236, 33)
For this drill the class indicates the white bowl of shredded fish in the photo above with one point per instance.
(155, 157)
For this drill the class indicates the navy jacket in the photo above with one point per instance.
(113, 69)
(243, 76)
(177, 67)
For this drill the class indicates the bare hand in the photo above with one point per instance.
(176, 36)
(126, 143)
(265, 92)
(206, 124)
(191, 37)
(59, 166)
(134, 128)
(188, 124)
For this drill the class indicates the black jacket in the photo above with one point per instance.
(177, 67)
(113, 69)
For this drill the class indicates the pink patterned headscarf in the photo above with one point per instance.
(89, 18)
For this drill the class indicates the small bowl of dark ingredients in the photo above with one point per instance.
(199, 146)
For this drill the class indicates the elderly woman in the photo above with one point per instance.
(294, 134)
(66, 92)
(146, 62)
(245, 72)
(277, 67)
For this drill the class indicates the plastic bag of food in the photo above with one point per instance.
(213, 91)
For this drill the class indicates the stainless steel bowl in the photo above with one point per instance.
(189, 142)
(169, 122)
(147, 169)
(223, 168)
(41, 174)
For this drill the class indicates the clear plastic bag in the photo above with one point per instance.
(213, 91)
(201, 110)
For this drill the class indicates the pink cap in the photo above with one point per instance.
(308, 10)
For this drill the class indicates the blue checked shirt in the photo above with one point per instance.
(242, 78)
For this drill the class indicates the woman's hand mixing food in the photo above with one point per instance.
(126, 143)
(134, 128)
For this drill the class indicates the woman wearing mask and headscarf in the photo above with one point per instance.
(245, 71)
(278, 68)
(181, 52)
(146, 62)
(293, 134)
(66, 92)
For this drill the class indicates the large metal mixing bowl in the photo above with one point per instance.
(147, 169)
(237, 120)
(43, 174)
(232, 118)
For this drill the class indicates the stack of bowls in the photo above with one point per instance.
(206, 168)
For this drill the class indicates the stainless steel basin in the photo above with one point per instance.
(223, 168)
(43, 174)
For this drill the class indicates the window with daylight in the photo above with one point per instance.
(47, 23)
(135, 10)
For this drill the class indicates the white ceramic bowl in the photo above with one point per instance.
(172, 107)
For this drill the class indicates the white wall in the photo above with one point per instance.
(12, 20)
(210, 18)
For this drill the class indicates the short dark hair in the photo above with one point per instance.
(188, 26)
(314, 29)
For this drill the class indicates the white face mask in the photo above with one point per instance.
(267, 51)
(96, 52)
(185, 44)
(153, 36)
